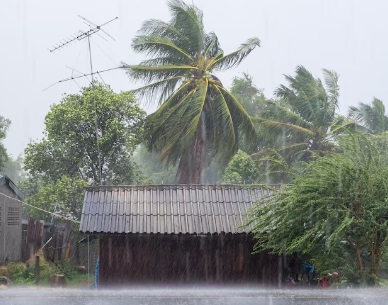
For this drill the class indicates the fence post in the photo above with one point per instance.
(37, 270)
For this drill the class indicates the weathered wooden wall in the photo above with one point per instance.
(162, 258)
(10, 227)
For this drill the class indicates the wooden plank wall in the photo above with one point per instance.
(158, 258)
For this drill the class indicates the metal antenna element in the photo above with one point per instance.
(94, 29)
(81, 76)
(82, 35)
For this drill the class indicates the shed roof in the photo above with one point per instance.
(5, 180)
(171, 209)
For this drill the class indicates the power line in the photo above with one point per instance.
(42, 210)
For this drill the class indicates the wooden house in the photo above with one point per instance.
(10, 221)
(176, 234)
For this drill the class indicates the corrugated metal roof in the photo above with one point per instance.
(193, 209)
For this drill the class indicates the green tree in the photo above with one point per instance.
(241, 170)
(13, 168)
(89, 140)
(4, 124)
(370, 118)
(151, 166)
(248, 94)
(335, 210)
(198, 115)
(63, 197)
(302, 121)
(87, 135)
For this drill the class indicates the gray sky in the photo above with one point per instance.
(348, 36)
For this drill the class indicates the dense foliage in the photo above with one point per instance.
(370, 118)
(89, 135)
(198, 115)
(89, 140)
(335, 210)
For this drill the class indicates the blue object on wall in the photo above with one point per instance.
(96, 273)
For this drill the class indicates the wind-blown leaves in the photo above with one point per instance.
(235, 58)
(370, 118)
(197, 116)
(303, 120)
(336, 207)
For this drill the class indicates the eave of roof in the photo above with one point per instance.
(5, 180)
(169, 209)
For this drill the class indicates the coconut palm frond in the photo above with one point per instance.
(332, 88)
(161, 28)
(212, 46)
(160, 47)
(277, 124)
(371, 117)
(224, 127)
(277, 110)
(159, 90)
(188, 21)
(240, 116)
(180, 133)
(157, 73)
(236, 57)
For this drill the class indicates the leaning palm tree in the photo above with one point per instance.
(198, 119)
(302, 119)
(370, 118)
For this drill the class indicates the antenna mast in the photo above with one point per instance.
(80, 35)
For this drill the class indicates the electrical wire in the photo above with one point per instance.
(42, 210)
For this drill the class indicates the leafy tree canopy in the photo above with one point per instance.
(241, 170)
(89, 139)
(13, 168)
(336, 210)
(248, 94)
(89, 134)
(62, 197)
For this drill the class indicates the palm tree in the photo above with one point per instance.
(302, 119)
(198, 119)
(370, 118)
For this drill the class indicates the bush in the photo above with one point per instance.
(21, 274)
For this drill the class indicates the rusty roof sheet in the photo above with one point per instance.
(171, 209)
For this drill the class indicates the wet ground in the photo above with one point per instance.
(191, 295)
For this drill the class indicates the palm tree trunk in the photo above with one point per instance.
(192, 162)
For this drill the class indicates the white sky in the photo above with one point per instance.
(348, 36)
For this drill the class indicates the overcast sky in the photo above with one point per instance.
(347, 36)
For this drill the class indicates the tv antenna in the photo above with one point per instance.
(80, 35)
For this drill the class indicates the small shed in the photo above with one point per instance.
(10, 221)
(176, 234)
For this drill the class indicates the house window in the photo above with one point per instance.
(13, 217)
